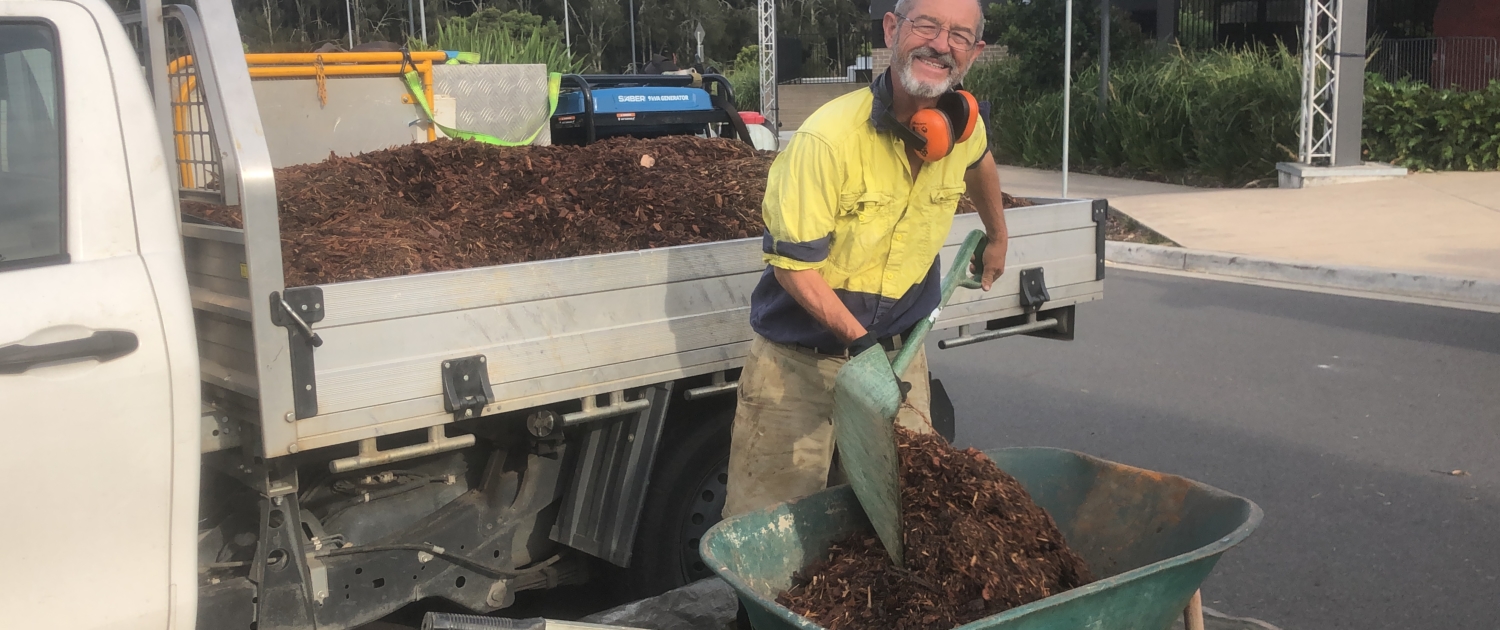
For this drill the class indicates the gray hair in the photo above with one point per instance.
(903, 7)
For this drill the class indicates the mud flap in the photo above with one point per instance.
(944, 420)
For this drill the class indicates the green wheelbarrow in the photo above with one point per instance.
(1150, 538)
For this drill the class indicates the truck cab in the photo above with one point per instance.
(208, 447)
(98, 358)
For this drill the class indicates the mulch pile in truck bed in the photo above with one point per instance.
(454, 205)
(450, 204)
(976, 545)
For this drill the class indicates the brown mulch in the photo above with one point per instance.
(976, 545)
(450, 204)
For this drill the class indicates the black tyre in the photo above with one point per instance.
(686, 498)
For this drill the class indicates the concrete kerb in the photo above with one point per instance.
(1349, 278)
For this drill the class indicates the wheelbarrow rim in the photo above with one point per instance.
(1219, 546)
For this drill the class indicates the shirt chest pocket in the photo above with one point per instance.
(866, 207)
(862, 230)
(944, 199)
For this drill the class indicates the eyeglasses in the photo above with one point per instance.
(929, 30)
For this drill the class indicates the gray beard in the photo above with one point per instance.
(919, 89)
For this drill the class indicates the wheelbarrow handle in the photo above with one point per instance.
(971, 252)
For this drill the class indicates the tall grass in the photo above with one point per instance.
(1225, 116)
(498, 45)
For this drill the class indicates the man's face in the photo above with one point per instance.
(933, 45)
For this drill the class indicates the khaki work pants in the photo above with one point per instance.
(782, 443)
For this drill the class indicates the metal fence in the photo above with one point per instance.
(1464, 63)
(1202, 24)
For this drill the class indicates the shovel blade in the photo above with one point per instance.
(866, 397)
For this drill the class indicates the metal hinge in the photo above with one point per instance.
(1033, 288)
(296, 310)
(466, 386)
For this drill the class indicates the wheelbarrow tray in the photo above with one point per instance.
(1149, 538)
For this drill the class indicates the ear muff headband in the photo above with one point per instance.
(963, 111)
(916, 142)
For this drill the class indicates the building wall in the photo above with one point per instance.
(798, 101)
(1467, 18)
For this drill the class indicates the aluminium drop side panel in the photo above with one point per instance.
(1060, 237)
(220, 52)
(558, 330)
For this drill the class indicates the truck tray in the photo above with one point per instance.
(552, 330)
(1151, 539)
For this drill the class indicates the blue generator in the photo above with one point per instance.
(596, 106)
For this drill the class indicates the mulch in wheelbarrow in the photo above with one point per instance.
(450, 204)
(976, 545)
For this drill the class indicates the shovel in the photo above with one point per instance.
(866, 396)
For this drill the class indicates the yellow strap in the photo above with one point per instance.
(322, 81)
(554, 84)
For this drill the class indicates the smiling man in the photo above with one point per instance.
(854, 221)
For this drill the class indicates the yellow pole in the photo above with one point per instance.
(293, 72)
(426, 72)
(179, 117)
(271, 59)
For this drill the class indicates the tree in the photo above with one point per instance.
(1032, 30)
(833, 30)
(599, 22)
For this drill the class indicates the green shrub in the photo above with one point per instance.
(1416, 126)
(509, 37)
(1222, 116)
(744, 78)
(514, 23)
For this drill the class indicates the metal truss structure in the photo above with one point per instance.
(1319, 80)
(766, 12)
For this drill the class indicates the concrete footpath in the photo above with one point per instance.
(1430, 235)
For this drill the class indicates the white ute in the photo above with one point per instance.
(191, 444)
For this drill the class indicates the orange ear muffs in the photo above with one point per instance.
(962, 110)
(933, 132)
(933, 126)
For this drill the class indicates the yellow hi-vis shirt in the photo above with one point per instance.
(841, 199)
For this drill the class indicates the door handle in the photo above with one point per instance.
(102, 346)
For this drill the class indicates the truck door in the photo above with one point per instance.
(85, 395)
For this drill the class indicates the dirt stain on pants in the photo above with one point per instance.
(782, 444)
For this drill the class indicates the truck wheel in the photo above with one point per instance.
(686, 498)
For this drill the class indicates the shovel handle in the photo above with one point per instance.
(971, 252)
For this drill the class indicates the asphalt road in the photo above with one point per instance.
(1335, 414)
